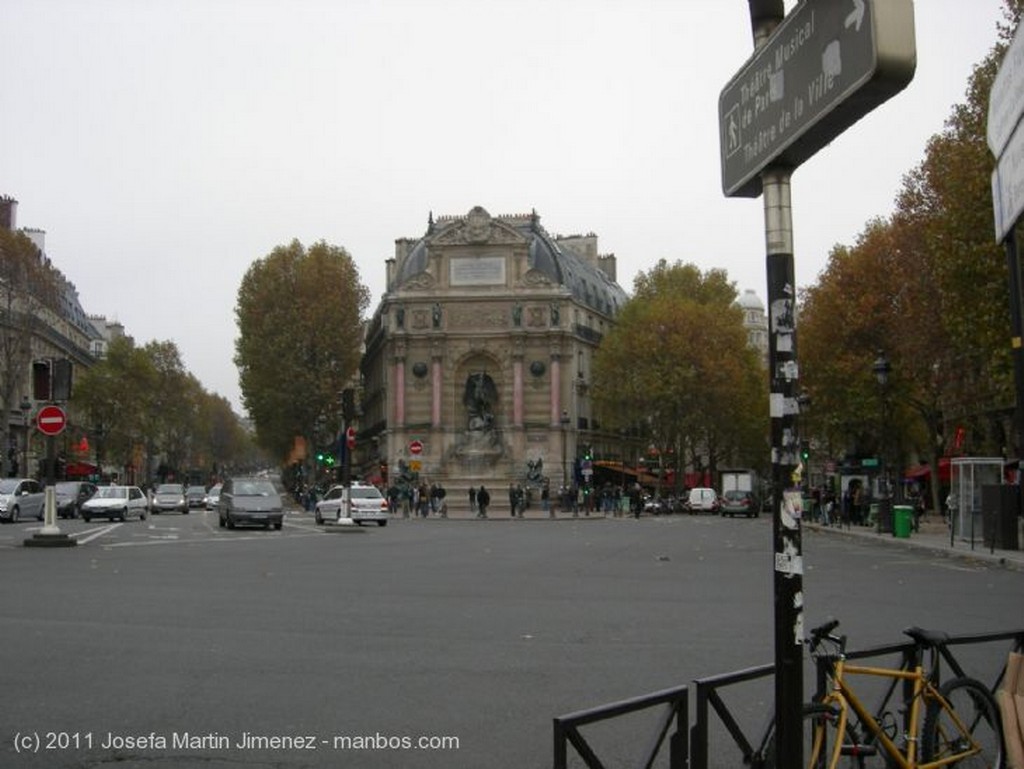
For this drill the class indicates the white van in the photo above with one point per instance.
(702, 500)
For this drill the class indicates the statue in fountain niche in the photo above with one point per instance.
(480, 445)
(479, 401)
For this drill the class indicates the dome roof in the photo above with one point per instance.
(749, 300)
(562, 265)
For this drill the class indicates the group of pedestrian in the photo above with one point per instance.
(422, 500)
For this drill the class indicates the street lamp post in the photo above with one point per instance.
(565, 439)
(881, 369)
(98, 434)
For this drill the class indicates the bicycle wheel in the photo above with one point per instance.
(820, 716)
(975, 708)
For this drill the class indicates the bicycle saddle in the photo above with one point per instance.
(927, 638)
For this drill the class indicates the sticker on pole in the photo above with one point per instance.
(51, 420)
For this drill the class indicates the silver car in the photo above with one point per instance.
(253, 501)
(169, 497)
(21, 498)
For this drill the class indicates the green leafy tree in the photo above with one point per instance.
(221, 442)
(677, 368)
(299, 314)
(110, 398)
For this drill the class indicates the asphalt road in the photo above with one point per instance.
(182, 640)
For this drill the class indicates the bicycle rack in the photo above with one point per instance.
(689, 750)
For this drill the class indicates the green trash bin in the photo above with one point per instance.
(902, 520)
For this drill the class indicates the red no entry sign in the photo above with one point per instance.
(51, 420)
(416, 447)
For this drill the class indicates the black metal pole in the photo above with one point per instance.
(787, 512)
(765, 15)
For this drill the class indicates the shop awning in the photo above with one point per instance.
(921, 472)
(80, 469)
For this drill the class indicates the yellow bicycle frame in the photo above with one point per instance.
(842, 698)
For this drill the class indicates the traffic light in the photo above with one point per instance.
(42, 380)
(805, 451)
(319, 457)
(61, 380)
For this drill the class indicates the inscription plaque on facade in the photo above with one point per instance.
(477, 271)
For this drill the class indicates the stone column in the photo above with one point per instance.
(517, 391)
(435, 394)
(400, 386)
(556, 390)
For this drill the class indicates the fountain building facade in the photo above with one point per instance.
(477, 360)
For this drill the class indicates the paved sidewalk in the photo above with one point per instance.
(501, 512)
(933, 536)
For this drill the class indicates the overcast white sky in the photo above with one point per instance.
(164, 145)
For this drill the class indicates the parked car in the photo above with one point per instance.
(735, 502)
(70, 497)
(195, 496)
(213, 496)
(368, 504)
(21, 498)
(116, 502)
(169, 497)
(253, 501)
(702, 500)
(657, 506)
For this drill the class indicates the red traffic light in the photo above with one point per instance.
(350, 437)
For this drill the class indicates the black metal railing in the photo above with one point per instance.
(675, 711)
(689, 747)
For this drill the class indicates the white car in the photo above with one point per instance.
(213, 496)
(21, 498)
(368, 504)
(116, 502)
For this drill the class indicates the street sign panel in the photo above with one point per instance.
(1006, 99)
(1006, 138)
(828, 64)
(415, 447)
(1008, 186)
(51, 420)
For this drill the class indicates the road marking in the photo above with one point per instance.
(90, 534)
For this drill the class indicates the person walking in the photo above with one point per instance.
(442, 502)
(472, 499)
(483, 499)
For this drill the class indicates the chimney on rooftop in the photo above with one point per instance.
(8, 213)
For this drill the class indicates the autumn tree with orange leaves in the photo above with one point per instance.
(928, 286)
(677, 371)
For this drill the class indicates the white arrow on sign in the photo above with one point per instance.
(857, 15)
